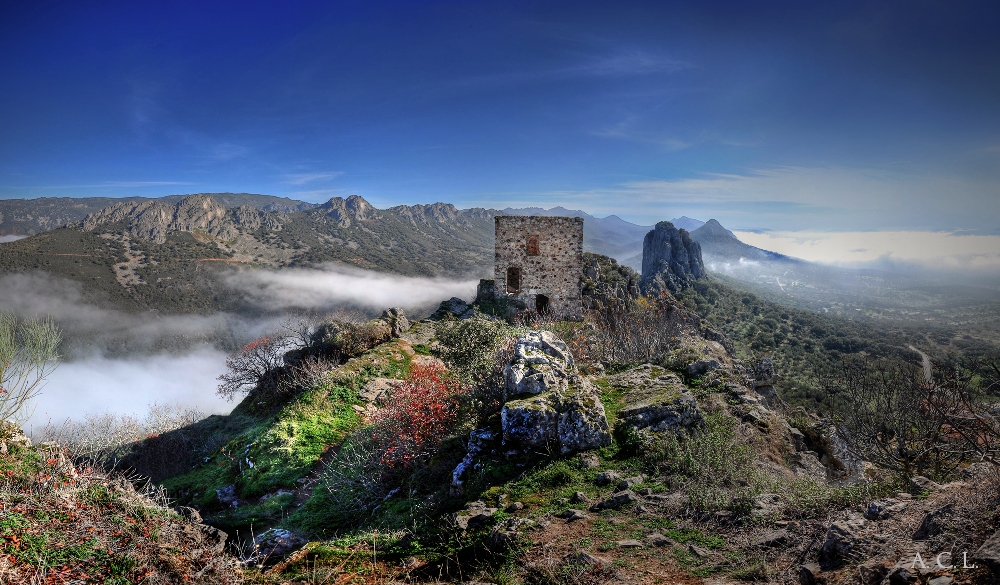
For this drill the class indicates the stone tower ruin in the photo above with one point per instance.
(539, 263)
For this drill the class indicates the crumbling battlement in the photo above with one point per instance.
(539, 262)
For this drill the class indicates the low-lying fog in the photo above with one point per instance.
(121, 362)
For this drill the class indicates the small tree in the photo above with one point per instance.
(255, 365)
(28, 354)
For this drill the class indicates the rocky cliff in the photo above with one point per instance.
(670, 259)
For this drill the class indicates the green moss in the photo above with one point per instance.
(296, 440)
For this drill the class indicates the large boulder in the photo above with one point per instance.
(989, 554)
(541, 362)
(656, 400)
(548, 402)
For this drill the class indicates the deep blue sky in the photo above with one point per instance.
(797, 115)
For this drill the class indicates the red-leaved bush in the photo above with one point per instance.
(416, 417)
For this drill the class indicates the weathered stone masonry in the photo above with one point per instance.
(538, 261)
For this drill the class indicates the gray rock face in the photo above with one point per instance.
(989, 554)
(656, 400)
(541, 362)
(548, 402)
(933, 523)
(396, 318)
(670, 259)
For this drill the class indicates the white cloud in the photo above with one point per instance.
(929, 249)
(335, 285)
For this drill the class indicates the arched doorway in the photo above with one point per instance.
(541, 304)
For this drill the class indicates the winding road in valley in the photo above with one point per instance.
(926, 362)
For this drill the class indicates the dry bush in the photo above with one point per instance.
(966, 398)
(67, 524)
(477, 350)
(104, 439)
(28, 353)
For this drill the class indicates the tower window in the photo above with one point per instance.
(533, 245)
(513, 280)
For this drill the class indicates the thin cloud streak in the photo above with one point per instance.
(336, 286)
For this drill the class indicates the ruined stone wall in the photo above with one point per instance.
(548, 253)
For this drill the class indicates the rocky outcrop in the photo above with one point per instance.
(548, 402)
(607, 284)
(670, 259)
(154, 220)
(656, 400)
(989, 554)
(345, 211)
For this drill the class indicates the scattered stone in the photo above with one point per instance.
(884, 508)
(702, 367)
(873, 573)
(772, 539)
(607, 478)
(900, 576)
(699, 552)
(629, 544)
(920, 484)
(840, 541)
(640, 509)
(580, 498)
(273, 545)
(590, 460)
(227, 496)
(766, 505)
(630, 482)
(515, 506)
(989, 554)
(978, 470)
(933, 523)
(809, 574)
(377, 388)
(479, 440)
(617, 501)
(189, 514)
(474, 515)
(572, 514)
(657, 539)
(582, 558)
(941, 580)
(656, 400)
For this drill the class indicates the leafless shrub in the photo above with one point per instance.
(104, 439)
(28, 353)
(965, 398)
(888, 418)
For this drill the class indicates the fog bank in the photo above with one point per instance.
(129, 386)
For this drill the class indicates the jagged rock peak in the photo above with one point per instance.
(426, 213)
(670, 259)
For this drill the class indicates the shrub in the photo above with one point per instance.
(416, 417)
(477, 350)
(27, 356)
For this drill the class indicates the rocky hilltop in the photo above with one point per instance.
(670, 259)
(154, 220)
